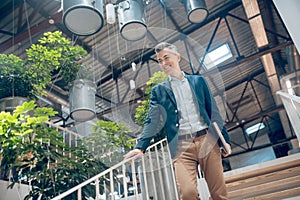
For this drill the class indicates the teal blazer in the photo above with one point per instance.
(163, 117)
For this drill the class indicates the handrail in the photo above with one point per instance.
(92, 179)
(161, 166)
(67, 135)
(63, 129)
(292, 107)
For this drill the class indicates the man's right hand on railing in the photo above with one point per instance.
(134, 152)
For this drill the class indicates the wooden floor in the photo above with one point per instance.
(275, 179)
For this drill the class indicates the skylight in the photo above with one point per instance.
(217, 56)
(254, 128)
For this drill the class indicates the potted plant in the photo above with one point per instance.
(62, 58)
(53, 54)
(15, 82)
(36, 152)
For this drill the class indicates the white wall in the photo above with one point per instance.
(18, 192)
(289, 12)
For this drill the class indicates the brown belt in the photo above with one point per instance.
(192, 135)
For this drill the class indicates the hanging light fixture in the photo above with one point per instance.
(83, 17)
(196, 10)
(132, 15)
(82, 100)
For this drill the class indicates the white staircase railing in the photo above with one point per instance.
(142, 178)
(150, 176)
(292, 106)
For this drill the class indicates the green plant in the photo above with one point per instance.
(56, 53)
(14, 73)
(142, 110)
(109, 140)
(36, 152)
(53, 54)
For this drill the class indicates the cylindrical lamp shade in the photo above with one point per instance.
(196, 10)
(82, 100)
(132, 15)
(83, 17)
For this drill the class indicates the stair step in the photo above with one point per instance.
(265, 178)
(271, 166)
(266, 188)
(284, 194)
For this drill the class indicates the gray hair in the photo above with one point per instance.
(164, 45)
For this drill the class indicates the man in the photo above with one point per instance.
(182, 109)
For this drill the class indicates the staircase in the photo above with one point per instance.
(275, 179)
(272, 180)
(151, 177)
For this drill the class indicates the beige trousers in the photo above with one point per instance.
(206, 152)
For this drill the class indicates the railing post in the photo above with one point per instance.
(79, 196)
(134, 178)
(158, 168)
(124, 181)
(166, 168)
(145, 178)
(97, 189)
(111, 178)
(152, 176)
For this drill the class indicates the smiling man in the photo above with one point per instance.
(183, 110)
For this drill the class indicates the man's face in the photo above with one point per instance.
(168, 61)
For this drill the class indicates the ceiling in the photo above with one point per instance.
(240, 85)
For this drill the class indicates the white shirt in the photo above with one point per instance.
(190, 120)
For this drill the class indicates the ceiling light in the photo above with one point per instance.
(132, 15)
(82, 100)
(83, 17)
(196, 10)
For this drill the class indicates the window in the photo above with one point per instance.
(254, 128)
(217, 56)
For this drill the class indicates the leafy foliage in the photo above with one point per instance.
(29, 77)
(12, 74)
(37, 153)
(142, 110)
(57, 53)
(109, 141)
